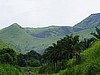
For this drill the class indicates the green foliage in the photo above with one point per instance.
(66, 48)
(97, 34)
(90, 62)
(32, 69)
(51, 68)
(21, 60)
(6, 69)
(8, 56)
(34, 54)
(86, 43)
(31, 58)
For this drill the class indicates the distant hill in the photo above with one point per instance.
(90, 22)
(38, 39)
(50, 31)
(17, 37)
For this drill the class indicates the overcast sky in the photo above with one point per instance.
(41, 13)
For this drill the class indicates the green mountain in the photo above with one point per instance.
(38, 39)
(90, 22)
(51, 31)
(17, 37)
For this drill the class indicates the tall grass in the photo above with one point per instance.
(6, 69)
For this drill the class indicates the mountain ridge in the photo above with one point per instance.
(38, 39)
(91, 21)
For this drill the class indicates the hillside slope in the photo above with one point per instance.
(89, 63)
(51, 31)
(38, 39)
(3, 45)
(16, 37)
(90, 22)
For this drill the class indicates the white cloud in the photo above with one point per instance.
(39, 13)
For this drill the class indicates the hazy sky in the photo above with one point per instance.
(41, 13)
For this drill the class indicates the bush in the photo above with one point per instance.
(8, 56)
(6, 69)
(51, 68)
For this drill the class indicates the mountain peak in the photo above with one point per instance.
(13, 28)
(90, 22)
(16, 24)
(96, 14)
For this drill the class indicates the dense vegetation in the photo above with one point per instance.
(11, 61)
(88, 64)
(67, 53)
(71, 55)
(31, 58)
(8, 62)
(7, 69)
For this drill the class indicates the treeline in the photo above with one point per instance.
(9, 56)
(56, 56)
(31, 58)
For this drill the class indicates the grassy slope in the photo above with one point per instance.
(49, 31)
(89, 63)
(90, 22)
(86, 33)
(6, 69)
(3, 45)
(18, 38)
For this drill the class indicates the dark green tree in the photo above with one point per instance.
(86, 43)
(66, 48)
(31, 58)
(8, 55)
(97, 34)
(22, 60)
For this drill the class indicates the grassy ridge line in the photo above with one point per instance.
(89, 63)
(18, 38)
